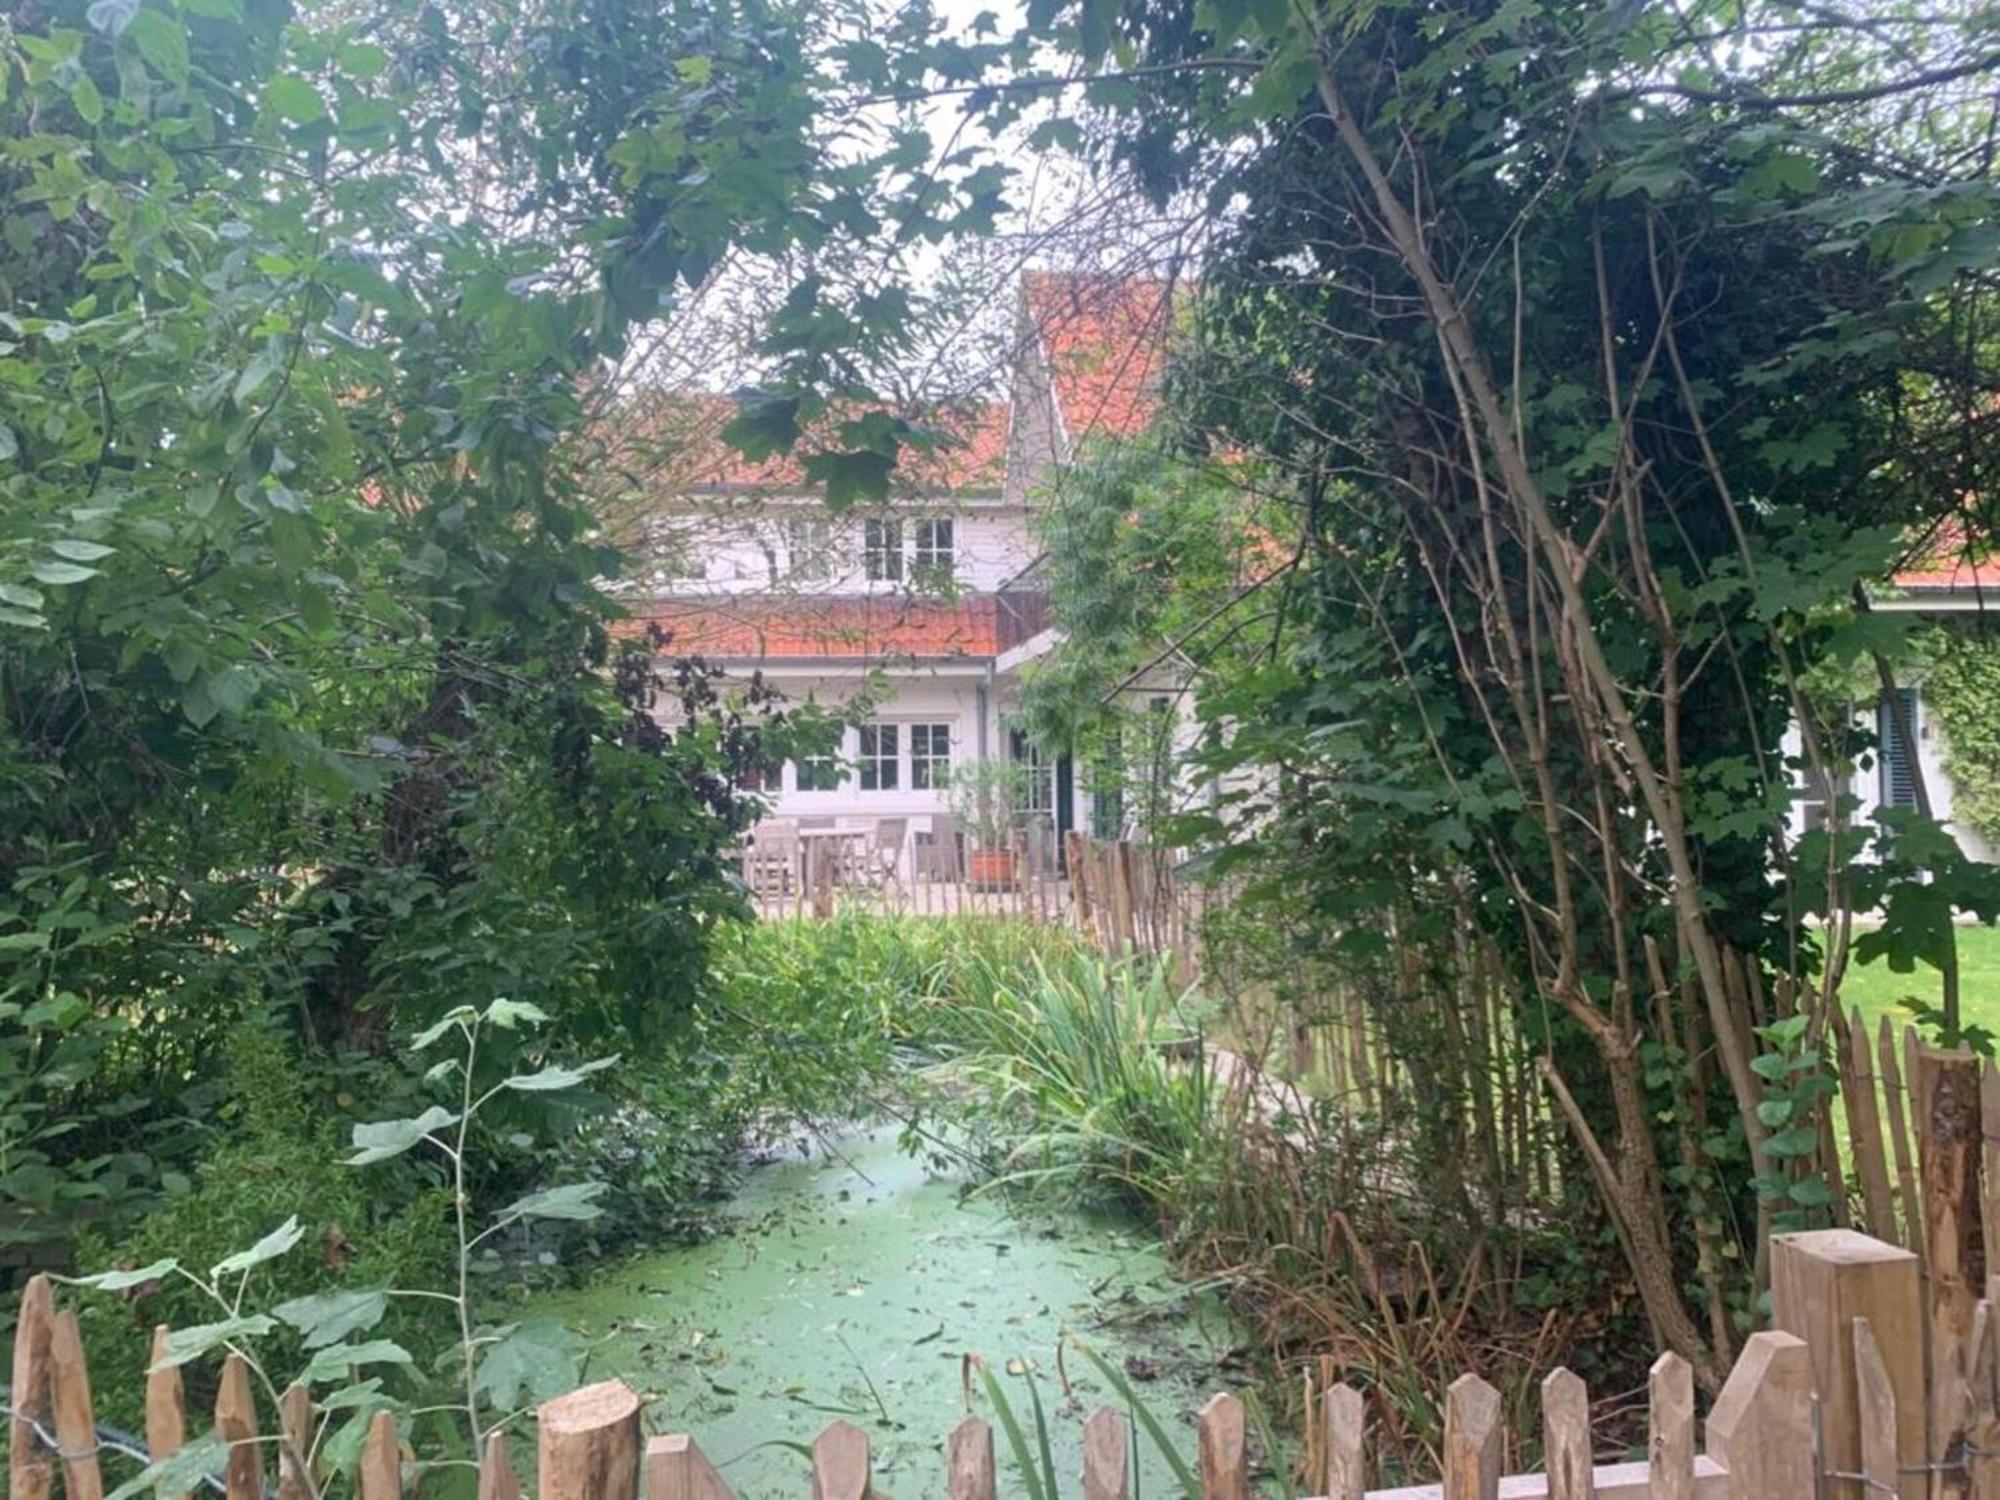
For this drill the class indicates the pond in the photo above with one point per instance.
(850, 1284)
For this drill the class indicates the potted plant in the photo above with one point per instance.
(985, 798)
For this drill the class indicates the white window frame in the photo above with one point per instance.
(927, 556)
(930, 760)
(871, 759)
(882, 549)
(808, 549)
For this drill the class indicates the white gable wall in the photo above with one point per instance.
(754, 546)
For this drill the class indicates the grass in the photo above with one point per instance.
(1879, 990)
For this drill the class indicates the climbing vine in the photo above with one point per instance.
(1961, 684)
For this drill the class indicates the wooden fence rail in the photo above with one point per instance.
(1831, 1403)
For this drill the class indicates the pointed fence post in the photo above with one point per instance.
(969, 1473)
(1670, 1429)
(31, 1466)
(1343, 1423)
(236, 1425)
(1821, 1281)
(588, 1444)
(76, 1421)
(1566, 1436)
(1225, 1465)
(1760, 1429)
(1471, 1440)
(166, 1407)
(1106, 1449)
(497, 1480)
(677, 1469)
(294, 1443)
(840, 1466)
(381, 1476)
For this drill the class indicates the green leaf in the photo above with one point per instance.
(363, 60)
(78, 550)
(533, 1361)
(451, 1020)
(334, 1361)
(273, 1245)
(182, 1472)
(88, 101)
(763, 425)
(387, 1138)
(265, 363)
(327, 1317)
(850, 477)
(552, 1078)
(162, 42)
(507, 1014)
(294, 99)
(184, 1344)
(58, 574)
(119, 1281)
(575, 1200)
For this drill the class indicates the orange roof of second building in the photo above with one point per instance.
(1105, 339)
(676, 438)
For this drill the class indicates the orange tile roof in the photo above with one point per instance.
(1105, 338)
(1950, 562)
(852, 629)
(675, 439)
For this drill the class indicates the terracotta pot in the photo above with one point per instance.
(991, 869)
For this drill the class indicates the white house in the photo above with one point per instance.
(1952, 587)
(932, 594)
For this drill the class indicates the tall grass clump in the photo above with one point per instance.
(1077, 1075)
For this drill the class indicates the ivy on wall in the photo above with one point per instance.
(1961, 686)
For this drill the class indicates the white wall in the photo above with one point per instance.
(905, 700)
(1864, 781)
(731, 547)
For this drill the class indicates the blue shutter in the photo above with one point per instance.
(1899, 782)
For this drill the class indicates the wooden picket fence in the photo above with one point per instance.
(1126, 896)
(1831, 1404)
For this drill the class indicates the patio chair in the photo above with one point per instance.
(885, 853)
(771, 857)
(936, 855)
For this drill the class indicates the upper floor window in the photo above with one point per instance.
(808, 550)
(933, 554)
(882, 550)
(880, 757)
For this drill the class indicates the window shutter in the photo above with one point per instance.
(1899, 782)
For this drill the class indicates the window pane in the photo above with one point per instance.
(808, 550)
(934, 546)
(930, 756)
(819, 773)
(879, 760)
(882, 549)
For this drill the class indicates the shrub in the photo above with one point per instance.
(282, 1160)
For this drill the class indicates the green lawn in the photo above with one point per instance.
(1878, 990)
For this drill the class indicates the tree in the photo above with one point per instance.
(1609, 350)
(313, 694)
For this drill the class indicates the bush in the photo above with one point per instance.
(284, 1159)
